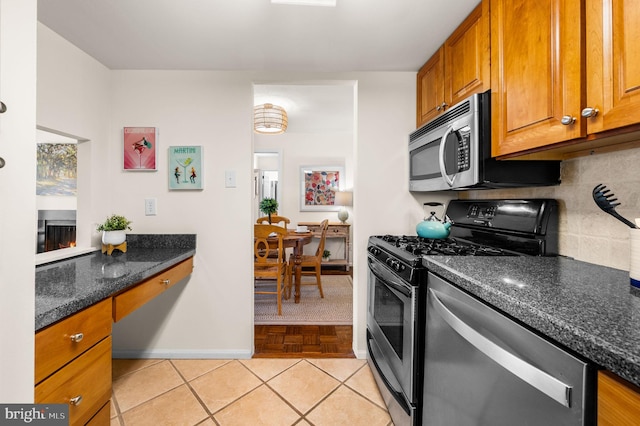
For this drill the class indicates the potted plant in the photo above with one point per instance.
(113, 229)
(269, 206)
(326, 255)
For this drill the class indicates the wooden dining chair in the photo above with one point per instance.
(312, 261)
(275, 220)
(265, 267)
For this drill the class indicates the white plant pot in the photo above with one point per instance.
(113, 237)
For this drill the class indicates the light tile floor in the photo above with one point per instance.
(246, 392)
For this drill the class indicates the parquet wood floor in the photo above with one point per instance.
(303, 341)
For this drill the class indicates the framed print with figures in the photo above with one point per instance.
(185, 167)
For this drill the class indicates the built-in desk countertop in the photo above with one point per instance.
(65, 287)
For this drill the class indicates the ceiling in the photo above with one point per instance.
(356, 35)
(255, 35)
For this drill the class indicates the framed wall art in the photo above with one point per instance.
(185, 167)
(57, 168)
(318, 185)
(140, 149)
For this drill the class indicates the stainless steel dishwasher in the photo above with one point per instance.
(482, 368)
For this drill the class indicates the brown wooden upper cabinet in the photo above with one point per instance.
(458, 69)
(613, 64)
(550, 89)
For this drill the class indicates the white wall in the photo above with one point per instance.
(74, 97)
(211, 313)
(17, 198)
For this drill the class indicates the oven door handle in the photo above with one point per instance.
(443, 169)
(389, 280)
(545, 383)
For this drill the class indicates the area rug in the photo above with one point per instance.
(335, 309)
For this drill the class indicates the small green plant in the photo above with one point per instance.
(269, 206)
(115, 223)
(326, 254)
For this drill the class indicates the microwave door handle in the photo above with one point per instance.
(443, 169)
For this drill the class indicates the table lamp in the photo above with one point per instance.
(344, 199)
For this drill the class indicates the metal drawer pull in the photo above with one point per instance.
(165, 282)
(77, 337)
(76, 401)
(3, 107)
(537, 378)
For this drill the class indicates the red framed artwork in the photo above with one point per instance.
(140, 149)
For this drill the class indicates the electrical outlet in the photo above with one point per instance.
(150, 208)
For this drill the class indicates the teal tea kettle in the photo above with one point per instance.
(432, 227)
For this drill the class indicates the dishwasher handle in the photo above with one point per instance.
(549, 385)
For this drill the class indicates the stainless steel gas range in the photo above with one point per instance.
(397, 285)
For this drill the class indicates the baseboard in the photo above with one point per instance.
(181, 354)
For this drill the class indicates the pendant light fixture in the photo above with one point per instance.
(269, 119)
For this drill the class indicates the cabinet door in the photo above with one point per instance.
(430, 88)
(613, 63)
(536, 74)
(618, 401)
(467, 54)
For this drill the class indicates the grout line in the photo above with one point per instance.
(194, 393)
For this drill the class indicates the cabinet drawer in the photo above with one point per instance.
(102, 417)
(337, 230)
(132, 299)
(60, 343)
(87, 378)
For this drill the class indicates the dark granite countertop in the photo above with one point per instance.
(68, 286)
(589, 309)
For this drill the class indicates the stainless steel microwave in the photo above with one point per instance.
(453, 152)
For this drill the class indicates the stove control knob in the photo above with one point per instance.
(374, 250)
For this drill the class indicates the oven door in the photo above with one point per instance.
(391, 321)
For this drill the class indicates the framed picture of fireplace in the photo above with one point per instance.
(185, 167)
(318, 185)
(140, 149)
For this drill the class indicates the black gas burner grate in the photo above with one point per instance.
(449, 247)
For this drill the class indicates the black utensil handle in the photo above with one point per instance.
(622, 219)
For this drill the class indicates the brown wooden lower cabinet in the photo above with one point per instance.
(73, 356)
(618, 401)
(102, 417)
(84, 384)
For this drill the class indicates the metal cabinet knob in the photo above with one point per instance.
(589, 112)
(77, 337)
(3, 107)
(76, 400)
(165, 282)
(444, 105)
(568, 119)
(438, 108)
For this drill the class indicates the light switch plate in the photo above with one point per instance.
(150, 207)
(230, 178)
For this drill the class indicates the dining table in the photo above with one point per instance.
(297, 241)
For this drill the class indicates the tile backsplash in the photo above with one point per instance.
(585, 232)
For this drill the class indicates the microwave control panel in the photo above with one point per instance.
(464, 152)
